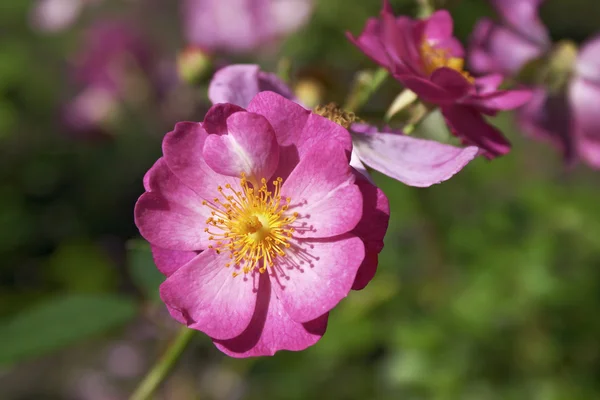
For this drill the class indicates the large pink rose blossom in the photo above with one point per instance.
(260, 224)
(234, 26)
(427, 59)
(413, 161)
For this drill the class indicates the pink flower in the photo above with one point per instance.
(260, 224)
(425, 57)
(565, 116)
(569, 118)
(413, 161)
(57, 15)
(115, 64)
(507, 46)
(234, 26)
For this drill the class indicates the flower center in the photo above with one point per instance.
(251, 224)
(333, 113)
(434, 58)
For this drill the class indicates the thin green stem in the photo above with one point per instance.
(161, 369)
(402, 101)
(419, 113)
(425, 8)
(365, 85)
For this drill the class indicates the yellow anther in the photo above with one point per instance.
(251, 224)
(434, 58)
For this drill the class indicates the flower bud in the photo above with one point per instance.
(194, 65)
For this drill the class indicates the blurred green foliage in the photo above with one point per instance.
(60, 321)
(488, 288)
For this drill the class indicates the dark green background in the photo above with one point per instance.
(488, 288)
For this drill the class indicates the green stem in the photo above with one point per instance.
(365, 85)
(425, 8)
(420, 112)
(161, 369)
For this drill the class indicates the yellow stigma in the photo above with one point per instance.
(333, 113)
(252, 224)
(434, 58)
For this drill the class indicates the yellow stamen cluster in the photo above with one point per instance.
(434, 58)
(333, 113)
(251, 223)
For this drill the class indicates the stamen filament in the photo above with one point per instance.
(253, 224)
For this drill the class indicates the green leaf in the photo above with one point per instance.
(142, 270)
(59, 322)
(98, 276)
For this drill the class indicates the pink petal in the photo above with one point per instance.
(367, 269)
(55, 15)
(452, 81)
(171, 215)
(271, 82)
(584, 98)
(289, 15)
(371, 229)
(468, 124)
(499, 100)
(413, 161)
(297, 129)
(412, 32)
(323, 193)
(426, 90)
(316, 275)
(496, 48)
(272, 329)
(250, 147)
(286, 117)
(522, 15)
(211, 299)
(238, 84)
(439, 26)
(375, 215)
(369, 42)
(401, 45)
(394, 41)
(359, 166)
(183, 149)
(588, 61)
(215, 120)
(210, 24)
(169, 261)
(589, 150)
(547, 116)
(159, 164)
(294, 125)
(488, 83)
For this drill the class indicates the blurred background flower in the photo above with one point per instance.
(57, 15)
(115, 64)
(565, 81)
(209, 23)
(487, 288)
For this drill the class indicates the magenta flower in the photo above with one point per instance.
(413, 161)
(115, 64)
(569, 118)
(425, 57)
(260, 224)
(234, 26)
(57, 15)
(505, 47)
(564, 115)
